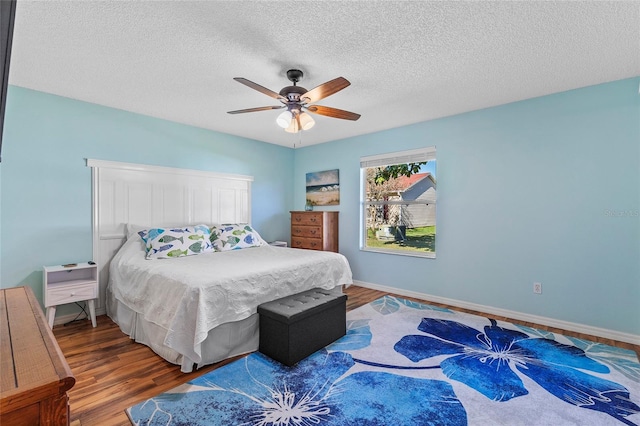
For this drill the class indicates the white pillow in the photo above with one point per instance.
(234, 236)
(164, 243)
(131, 229)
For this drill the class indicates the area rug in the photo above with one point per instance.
(408, 363)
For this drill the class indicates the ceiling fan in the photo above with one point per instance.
(297, 100)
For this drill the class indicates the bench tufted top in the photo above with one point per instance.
(298, 306)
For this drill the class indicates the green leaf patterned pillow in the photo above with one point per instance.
(234, 236)
(166, 243)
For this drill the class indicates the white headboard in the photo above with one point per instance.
(158, 196)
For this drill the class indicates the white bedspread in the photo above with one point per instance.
(188, 296)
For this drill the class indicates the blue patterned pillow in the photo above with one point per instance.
(145, 234)
(164, 243)
(234, 236)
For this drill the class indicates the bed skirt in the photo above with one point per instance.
(225, 341)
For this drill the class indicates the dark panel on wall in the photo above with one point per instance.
(7, 18)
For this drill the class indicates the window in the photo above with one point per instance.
(398, 202)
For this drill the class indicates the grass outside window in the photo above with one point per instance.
(419, 240)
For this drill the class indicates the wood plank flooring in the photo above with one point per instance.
(112, 372)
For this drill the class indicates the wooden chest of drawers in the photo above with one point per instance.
(35, 375)
(314, 230)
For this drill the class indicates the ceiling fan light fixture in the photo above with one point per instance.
(284, 120)
(293, 127)
(306, 121)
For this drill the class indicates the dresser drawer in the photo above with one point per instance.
(306, 218)
(306, 243)
(306, 231)
(71, 293)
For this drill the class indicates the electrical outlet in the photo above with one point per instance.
(537, 288)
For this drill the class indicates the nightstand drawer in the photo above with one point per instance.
(60, 295)
(306, 243)
(306, 231)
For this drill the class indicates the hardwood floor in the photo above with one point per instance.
(112, 372)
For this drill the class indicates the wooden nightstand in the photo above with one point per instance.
(68, 284)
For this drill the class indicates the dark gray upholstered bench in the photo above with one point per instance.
(294, 327)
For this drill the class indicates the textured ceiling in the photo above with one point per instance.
(407, 61)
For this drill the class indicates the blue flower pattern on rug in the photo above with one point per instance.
(351, 382)
(258, 391)
(485, 362)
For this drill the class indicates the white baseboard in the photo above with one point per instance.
(63, 319)
(550, 322)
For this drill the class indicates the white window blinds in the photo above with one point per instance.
(404, 157)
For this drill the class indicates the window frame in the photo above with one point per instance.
(381, 160)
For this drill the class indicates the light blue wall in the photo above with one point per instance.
(523, 195)
(526, 193)
(46, 187)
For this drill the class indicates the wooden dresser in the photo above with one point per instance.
(35, 375)
(314, 230)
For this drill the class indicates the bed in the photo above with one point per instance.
(199, 309)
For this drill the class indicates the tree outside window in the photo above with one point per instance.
(399, 205)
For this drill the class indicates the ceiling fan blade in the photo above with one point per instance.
(324, 90)
(259, 88)
(265, 108)
(333, 112)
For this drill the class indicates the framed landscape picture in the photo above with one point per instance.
(323, 188)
